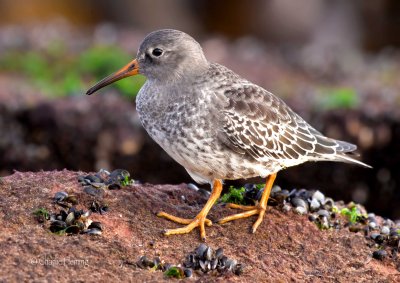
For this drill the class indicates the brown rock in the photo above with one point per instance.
(286, 246)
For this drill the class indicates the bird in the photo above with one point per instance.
(218, 125)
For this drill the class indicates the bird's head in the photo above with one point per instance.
(165, 56)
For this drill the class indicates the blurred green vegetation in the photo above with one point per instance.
(338, 97)
(58, 73)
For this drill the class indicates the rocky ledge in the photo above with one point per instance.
(286, 247)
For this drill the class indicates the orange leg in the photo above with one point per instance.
(200, 220)
(254, 209)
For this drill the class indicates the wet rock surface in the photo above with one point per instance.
(383, 234)
(286, 247)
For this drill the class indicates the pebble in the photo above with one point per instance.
(71, 220)
(98, 185)
(319, 197)
(98, 207)
(60, 196)
(312, 217)
(188, 272)
(314, 204)
(298, 202)
(378, 238)
(275, 189)
(201, 191)
(281, 196)
(324, 223)
(372, 225)
(385, 230)
(93, 191)
(93, 179)
(379, 254)
(205, 259)
(373, 236)
(355, 228)
(329, 203)
(324, 213)
(286, 207)
(96, 225)
(300, 210)
(388, 222)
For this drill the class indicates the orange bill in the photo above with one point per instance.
(130, 69)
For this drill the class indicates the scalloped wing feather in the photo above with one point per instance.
(260, 124)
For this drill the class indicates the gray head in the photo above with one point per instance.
(169, 55)
(166, 56)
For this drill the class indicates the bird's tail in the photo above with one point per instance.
(345, 151)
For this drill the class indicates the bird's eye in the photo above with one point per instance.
(157, 52)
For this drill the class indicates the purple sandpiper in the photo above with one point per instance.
(218, 125)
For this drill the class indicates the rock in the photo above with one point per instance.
(131, 225)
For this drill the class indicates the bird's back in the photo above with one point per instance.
(256, 123)
(220, 125)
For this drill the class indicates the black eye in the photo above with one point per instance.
(157, 52)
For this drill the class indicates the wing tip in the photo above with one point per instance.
(348, 159)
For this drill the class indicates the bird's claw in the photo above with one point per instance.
(198, 221)
(249, 211)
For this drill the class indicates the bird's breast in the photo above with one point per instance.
(172, 114)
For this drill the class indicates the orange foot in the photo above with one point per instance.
(250, 210)
(200, 220)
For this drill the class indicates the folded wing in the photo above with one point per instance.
(261, 125)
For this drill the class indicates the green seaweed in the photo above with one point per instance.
(352, 214)
(235, 195)
(174, 272)
(42, 212)
(126, 181)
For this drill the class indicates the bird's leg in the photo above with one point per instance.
(259, 208)
(200, 220)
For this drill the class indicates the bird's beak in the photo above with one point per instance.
(130, 69)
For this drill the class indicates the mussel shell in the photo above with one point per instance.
(70, 220)
(60, 196)
(57, 226)
(231, 264)
(114, 186)
(219, 253)
(238, 269)
(93, 191)
(93, 179)
(379, 254)
(299, 202)
(188, 272)
(62, 215)
(71, 199)
(208, 253)
(320, 197)
(201, 250)
(119, 175)
(93, 231)
(96, 225)
(73, 229)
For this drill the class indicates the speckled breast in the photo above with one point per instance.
(181, 122)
